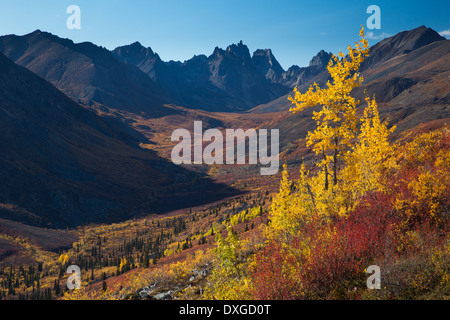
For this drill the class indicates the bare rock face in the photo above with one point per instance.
(267, 64)
(227, 80)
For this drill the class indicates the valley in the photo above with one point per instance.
(86, 172)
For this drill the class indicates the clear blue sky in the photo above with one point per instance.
(178, 29)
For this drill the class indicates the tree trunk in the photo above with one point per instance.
(326, 170)
(335, 155)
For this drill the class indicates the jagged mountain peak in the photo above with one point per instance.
(136, 44)
(321, 59)
(239, 49)
(266, 63)
(217, 52)
(35, 32)
(134, 53)
(266, 52)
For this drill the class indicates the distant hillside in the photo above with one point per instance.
(85, 72)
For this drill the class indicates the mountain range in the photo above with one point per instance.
(135, 79)
(227, 80)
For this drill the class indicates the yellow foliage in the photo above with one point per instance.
(336, 121)
(244, 216)
(83, 294)
(431, 183)
(123, 264)
(290, 207)
(362, 153)
(64, 259)
(369, 156)
(229, 279)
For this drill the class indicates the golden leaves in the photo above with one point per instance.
(336, 121)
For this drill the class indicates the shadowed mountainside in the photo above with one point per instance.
(62, 165)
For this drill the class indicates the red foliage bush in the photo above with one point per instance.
(336, 265)
(284, 272)
(272, 277)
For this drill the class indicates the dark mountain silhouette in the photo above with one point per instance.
(85, 72)
(144, 58)
(227, 80)
(134, 78)
(62, 165)
(320, 60)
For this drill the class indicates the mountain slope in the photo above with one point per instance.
(62, 165)
(411, 88)
(85, 72)
(402, 43)
(266, 63)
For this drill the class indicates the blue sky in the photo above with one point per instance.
(178, 29)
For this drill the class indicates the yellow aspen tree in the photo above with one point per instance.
(369, 155)
(336, 121)
(123, 264)
(284, 211)
(297, 203)
(64, 259)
